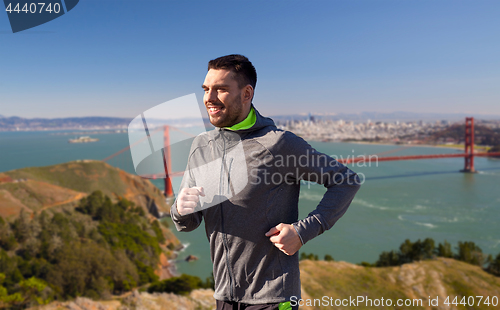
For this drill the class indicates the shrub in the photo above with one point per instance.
(386, 259)
(470, 253)
(494, 266)
(329, 258)
(444, 250)
(182, 285)
(308, 256)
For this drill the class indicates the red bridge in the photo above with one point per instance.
(468, 155)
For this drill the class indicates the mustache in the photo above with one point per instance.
(215, 105)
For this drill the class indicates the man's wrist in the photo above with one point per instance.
(298, 234)
(174, 211)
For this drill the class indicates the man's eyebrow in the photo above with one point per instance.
(215, 86)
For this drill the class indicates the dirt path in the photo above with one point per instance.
(76, 197)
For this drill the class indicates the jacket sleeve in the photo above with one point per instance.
(191, 221)
(341, 185)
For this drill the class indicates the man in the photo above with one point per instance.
(243, 179)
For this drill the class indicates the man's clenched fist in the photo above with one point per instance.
(188, 199)
(285, 238)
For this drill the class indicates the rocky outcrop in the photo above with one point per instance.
(191, 258)
(198, 299)
(82, 303)
(165, 269)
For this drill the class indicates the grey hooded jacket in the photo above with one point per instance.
(252, 180)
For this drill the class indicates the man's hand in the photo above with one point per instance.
(285, 238)
(188, 199)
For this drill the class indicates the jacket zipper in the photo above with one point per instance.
(224, 235)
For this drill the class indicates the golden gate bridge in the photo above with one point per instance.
(469, 154)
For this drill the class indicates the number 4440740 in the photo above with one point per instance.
(34, 8)
(471, 301)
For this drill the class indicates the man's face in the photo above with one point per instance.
(223, 98)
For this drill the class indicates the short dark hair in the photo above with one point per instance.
(242, 67)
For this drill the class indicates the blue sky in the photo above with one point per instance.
(119, 58)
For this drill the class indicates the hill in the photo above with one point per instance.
(482, 135)
(39, 188)
(441, 277)
(96, 249)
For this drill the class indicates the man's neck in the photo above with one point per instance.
(248, 122)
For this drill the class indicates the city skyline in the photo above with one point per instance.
(118, 59)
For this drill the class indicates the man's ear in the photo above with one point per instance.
(247, 93)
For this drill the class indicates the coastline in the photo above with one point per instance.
(443, 146)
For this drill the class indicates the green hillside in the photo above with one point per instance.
(39, 188)
(82, 228)
(98, 249)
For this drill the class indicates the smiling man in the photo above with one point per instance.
(252, 225)
(227, 97)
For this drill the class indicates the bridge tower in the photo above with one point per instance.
(169, 193)
(469, 145)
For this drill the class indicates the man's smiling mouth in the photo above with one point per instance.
(214, 109)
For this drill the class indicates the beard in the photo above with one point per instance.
(229, 114)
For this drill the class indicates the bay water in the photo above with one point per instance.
(398, 200)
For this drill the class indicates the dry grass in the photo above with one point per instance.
(440, 277)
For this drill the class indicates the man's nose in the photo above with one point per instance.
(211, 96)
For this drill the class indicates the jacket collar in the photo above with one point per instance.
(228, 138)
(260, 123)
